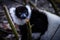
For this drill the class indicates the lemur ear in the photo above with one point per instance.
(29, 10)
(12, 10)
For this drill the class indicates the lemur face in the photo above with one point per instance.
(21, 12)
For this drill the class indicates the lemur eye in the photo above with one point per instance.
(26, 12)
(19, 13)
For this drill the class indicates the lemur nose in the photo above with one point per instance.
(23, 16)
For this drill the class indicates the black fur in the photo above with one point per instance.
(39, 21)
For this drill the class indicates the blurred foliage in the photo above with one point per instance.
(58, 1)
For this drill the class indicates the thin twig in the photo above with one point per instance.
(29, 30)
(55, 7)
(55, 32)
(28, 24)
(10, 22)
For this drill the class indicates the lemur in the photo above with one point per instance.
(40, 20)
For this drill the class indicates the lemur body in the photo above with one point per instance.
(39, 19)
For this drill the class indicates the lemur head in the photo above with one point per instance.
(21, 12)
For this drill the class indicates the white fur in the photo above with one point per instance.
(52, 17)
(54, 22)
(17, 20)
